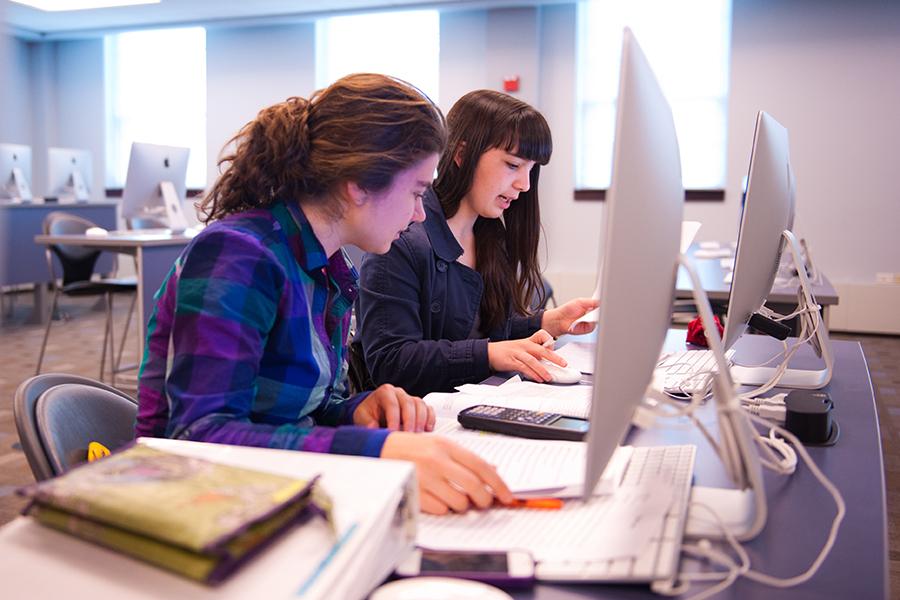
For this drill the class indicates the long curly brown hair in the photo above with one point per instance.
(507, 248)
(362, 128)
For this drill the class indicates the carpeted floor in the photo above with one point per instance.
(74, 347)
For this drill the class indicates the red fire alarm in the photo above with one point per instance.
(511, 84)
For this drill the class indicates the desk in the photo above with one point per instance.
(23, 262)
(782, 298)
(800, 510)
(154, 253)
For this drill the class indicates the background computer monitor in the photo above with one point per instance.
(69, 174)
(155, 184)
(15, 172)
(766, 222)
(639, 256)
(768, 210)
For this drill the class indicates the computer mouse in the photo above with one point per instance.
(558, 374)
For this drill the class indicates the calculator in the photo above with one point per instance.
(523, 423)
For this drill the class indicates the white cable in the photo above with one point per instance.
(705, 550)
(785, 582)
(835, 525)
(782, 367)
(786, 464)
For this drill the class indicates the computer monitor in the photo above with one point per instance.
(155, 184)
(15, 172)
(766, 220)
(639, 256)
(69, 173)
(768, 210)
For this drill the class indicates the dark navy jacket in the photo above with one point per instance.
(417, 308)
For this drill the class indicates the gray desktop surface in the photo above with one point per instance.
(800, 510)
(712, 277)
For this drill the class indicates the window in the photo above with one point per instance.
(687, 44)
(156, 93)
(402, 44)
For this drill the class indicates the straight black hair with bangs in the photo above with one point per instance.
(506, 249)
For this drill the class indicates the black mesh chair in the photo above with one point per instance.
(77, 280)
(57, 416)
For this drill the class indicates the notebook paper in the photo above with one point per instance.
(607, 527)
(536, 467)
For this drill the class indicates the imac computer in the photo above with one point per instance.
(766, 221)
(15, 172)
(640, 256)
(155, 185)
(69, 174)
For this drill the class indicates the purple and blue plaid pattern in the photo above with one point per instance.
(258, 320)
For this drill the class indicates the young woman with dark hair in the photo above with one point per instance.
(451, 301)
(257, 308)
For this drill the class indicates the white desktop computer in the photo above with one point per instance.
(69, 173)
(766, 222)
(646, 201)
(155, 185)
(15, 172)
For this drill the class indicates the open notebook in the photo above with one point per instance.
(529, 467)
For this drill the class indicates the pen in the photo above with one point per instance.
(539, 503)
(549, 343)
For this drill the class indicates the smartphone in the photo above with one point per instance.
(510, 568)
(523, 423)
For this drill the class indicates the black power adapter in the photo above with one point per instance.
(808, 415)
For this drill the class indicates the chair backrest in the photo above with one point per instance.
(543, 297)
(357, 372)
(77, 261)
(146, 223)
(58, 415)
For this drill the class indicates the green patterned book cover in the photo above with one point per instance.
(195, 517)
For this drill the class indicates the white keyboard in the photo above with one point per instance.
(689, 371)
(650, 468)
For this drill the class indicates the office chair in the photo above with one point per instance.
(58, 415)
(78, 267)
(137, 223)
(543, 297)
(358, 375)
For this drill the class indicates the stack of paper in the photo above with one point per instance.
(529, 467)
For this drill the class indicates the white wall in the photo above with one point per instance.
(79, 105)
(572, 229)
(830, 72)
(249, 68)
(55, 97)
(826, 69)
(15, 118)
(462, 55)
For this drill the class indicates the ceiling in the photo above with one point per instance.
(32, 23)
